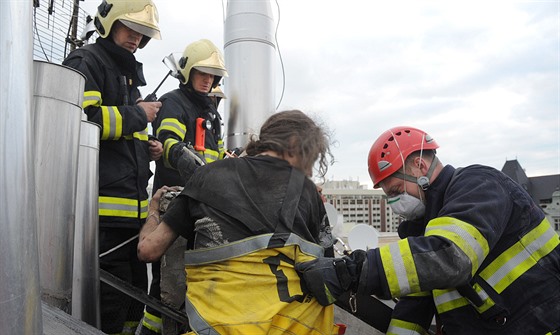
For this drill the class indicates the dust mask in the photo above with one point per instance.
(406, 205)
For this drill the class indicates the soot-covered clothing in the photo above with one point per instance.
(249, 221)
(242, 197)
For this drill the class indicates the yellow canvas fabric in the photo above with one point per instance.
(256, 293)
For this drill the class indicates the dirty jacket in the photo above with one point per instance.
(488, 261)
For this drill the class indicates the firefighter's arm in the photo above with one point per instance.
(409, 266)
(155, 236)
(115, 121)
(171, 129)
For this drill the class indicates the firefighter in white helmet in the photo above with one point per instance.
(188, 120)
(217, 95)
(484, 261)
(113, 101)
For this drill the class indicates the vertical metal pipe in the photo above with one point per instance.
(249, 50)
(85, 288)
(20, 304)
(58, 96)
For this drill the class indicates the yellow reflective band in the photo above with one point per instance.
(152, 322)
(144, 209)
(174, 126)
(420, 294)
(464, 235)
(399, 268)
(122, 207)
(210, 155)
(129, 327)
(167, 145)
(91, 98)
(139, 135)
(447, 300)
(112, 123)
(401, 327)
(521, 256)
(487, 301)
(221, 150)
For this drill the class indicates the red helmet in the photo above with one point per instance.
(390, 150)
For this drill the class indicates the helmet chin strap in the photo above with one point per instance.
(422, 181)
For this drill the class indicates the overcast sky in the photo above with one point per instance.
(481, 77)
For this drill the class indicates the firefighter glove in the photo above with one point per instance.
(188, 162)
(328, 278)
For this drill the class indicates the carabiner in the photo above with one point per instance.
(346, 250)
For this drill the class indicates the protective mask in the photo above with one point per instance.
(407, 206)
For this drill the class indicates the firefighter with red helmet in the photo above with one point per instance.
(485, 261)
(113, 101)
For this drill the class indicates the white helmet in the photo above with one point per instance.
(139, 15)
(204, 56)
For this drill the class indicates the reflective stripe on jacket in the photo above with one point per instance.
(176, 123)
(488, 254)
(109, 100)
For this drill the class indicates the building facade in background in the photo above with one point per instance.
(545, 190)
(359, 205)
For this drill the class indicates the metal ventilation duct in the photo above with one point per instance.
(58, 98)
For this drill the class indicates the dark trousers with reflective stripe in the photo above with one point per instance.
(155, 288)
(116, 307)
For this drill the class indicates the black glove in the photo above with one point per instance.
(411, 228)
(328, 278)
(188, 162)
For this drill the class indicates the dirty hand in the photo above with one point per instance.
(154, 202)
(150, 108)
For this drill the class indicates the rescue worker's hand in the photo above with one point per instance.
(188, 162)
(328, 278)
(150, 108)
(409, 228)
(156, 149)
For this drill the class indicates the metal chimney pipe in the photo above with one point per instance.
(58, 99)
(20, 303)
(249, 50)
(85, 288)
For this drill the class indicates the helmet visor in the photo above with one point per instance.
(142, 29)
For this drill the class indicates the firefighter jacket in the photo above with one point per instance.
(488, 261)
(176, 123)
(111, 90)
(251, 220)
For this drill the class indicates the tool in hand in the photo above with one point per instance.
(171, 64)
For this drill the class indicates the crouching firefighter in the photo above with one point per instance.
(486, 260)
